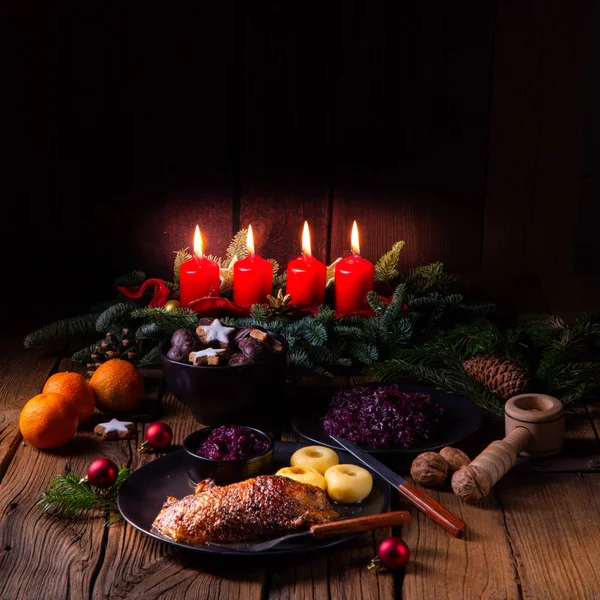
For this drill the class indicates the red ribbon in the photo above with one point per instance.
(160, 296)
(215, 306)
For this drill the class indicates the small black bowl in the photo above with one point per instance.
(225, 471)
(218, 395)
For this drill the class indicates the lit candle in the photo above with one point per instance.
(306, 276)
(252, 277)
(353, 279)
(198, 277)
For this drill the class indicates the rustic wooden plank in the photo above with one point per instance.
(572, 295)
(534, 163)
(22, 375)
(287, 91)
(277, 216)
(513, 294)
(156, 116)
(444, 567)
(62, 555)
(410, 134)
(554, 533)
(137, 566)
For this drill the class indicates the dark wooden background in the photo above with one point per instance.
(457, 127)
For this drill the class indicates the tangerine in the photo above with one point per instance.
(48, 421)
(118, 386)
(75, 389)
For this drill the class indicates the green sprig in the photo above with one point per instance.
(68, 497)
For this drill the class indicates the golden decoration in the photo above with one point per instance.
(331, 272)
(279, 305)
(172, 305)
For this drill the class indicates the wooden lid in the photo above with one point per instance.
(534, 408)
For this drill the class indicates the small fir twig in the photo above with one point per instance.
(68, 497)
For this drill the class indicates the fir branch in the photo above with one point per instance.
(376, 302)
(68, 497)
(275, 266)
(130, 279)
(61, 330)
(366, 354)
(151, 357)
(216, 259)
(279, 282)
(162, 324)
(325, 315)
(237, 246)
(259, 313)
(84, 355)
(180, 257)
(115, 316)
(314, 332)
(426, 277)
(102, 305)
(386, 268)
(326, 355)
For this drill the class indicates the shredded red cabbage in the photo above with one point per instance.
(382, 416)
(232, 443)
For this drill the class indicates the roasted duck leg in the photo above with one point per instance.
(264, 506)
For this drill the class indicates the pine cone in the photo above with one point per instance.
(123, 345)
(496, 374)
(279, 305)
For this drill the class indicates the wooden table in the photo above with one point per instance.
(536, 536)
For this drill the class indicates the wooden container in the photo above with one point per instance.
(543, 416)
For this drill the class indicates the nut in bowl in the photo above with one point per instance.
(238, 375)
(228, 454)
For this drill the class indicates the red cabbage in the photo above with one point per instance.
(382, 416)
(232, 443)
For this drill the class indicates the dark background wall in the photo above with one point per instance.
(456, 127)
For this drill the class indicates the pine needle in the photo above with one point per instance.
(386, 268)
(67, 497)
(237, 246)
(180, 257)
(64, 329)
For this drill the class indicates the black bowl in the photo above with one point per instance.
(225, 471)
(218, 395)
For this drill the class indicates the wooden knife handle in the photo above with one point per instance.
(434, 510)
(387, 519)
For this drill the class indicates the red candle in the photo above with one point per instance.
(306, 276)
(353, 279)
(198, 277)
(252, 277)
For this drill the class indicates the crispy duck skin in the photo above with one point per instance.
(264, 506)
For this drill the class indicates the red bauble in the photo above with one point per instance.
(394, 553)
(102, 473)
(159, 435)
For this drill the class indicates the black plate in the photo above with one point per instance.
(144, 491)
(461, 418)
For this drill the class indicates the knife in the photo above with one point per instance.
(324, 530)
(426, 504)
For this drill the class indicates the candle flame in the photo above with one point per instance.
(354, 245)
(198, 245)
(250, 240)
(306, 240)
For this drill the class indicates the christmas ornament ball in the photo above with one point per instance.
(394, 553)
(172, 305)
(102, 473)
(159, 435)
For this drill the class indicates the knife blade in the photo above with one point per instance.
(324, 530)
(417, 497)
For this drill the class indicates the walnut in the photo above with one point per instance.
(429, 469)
(471, 483)
(455, 458)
